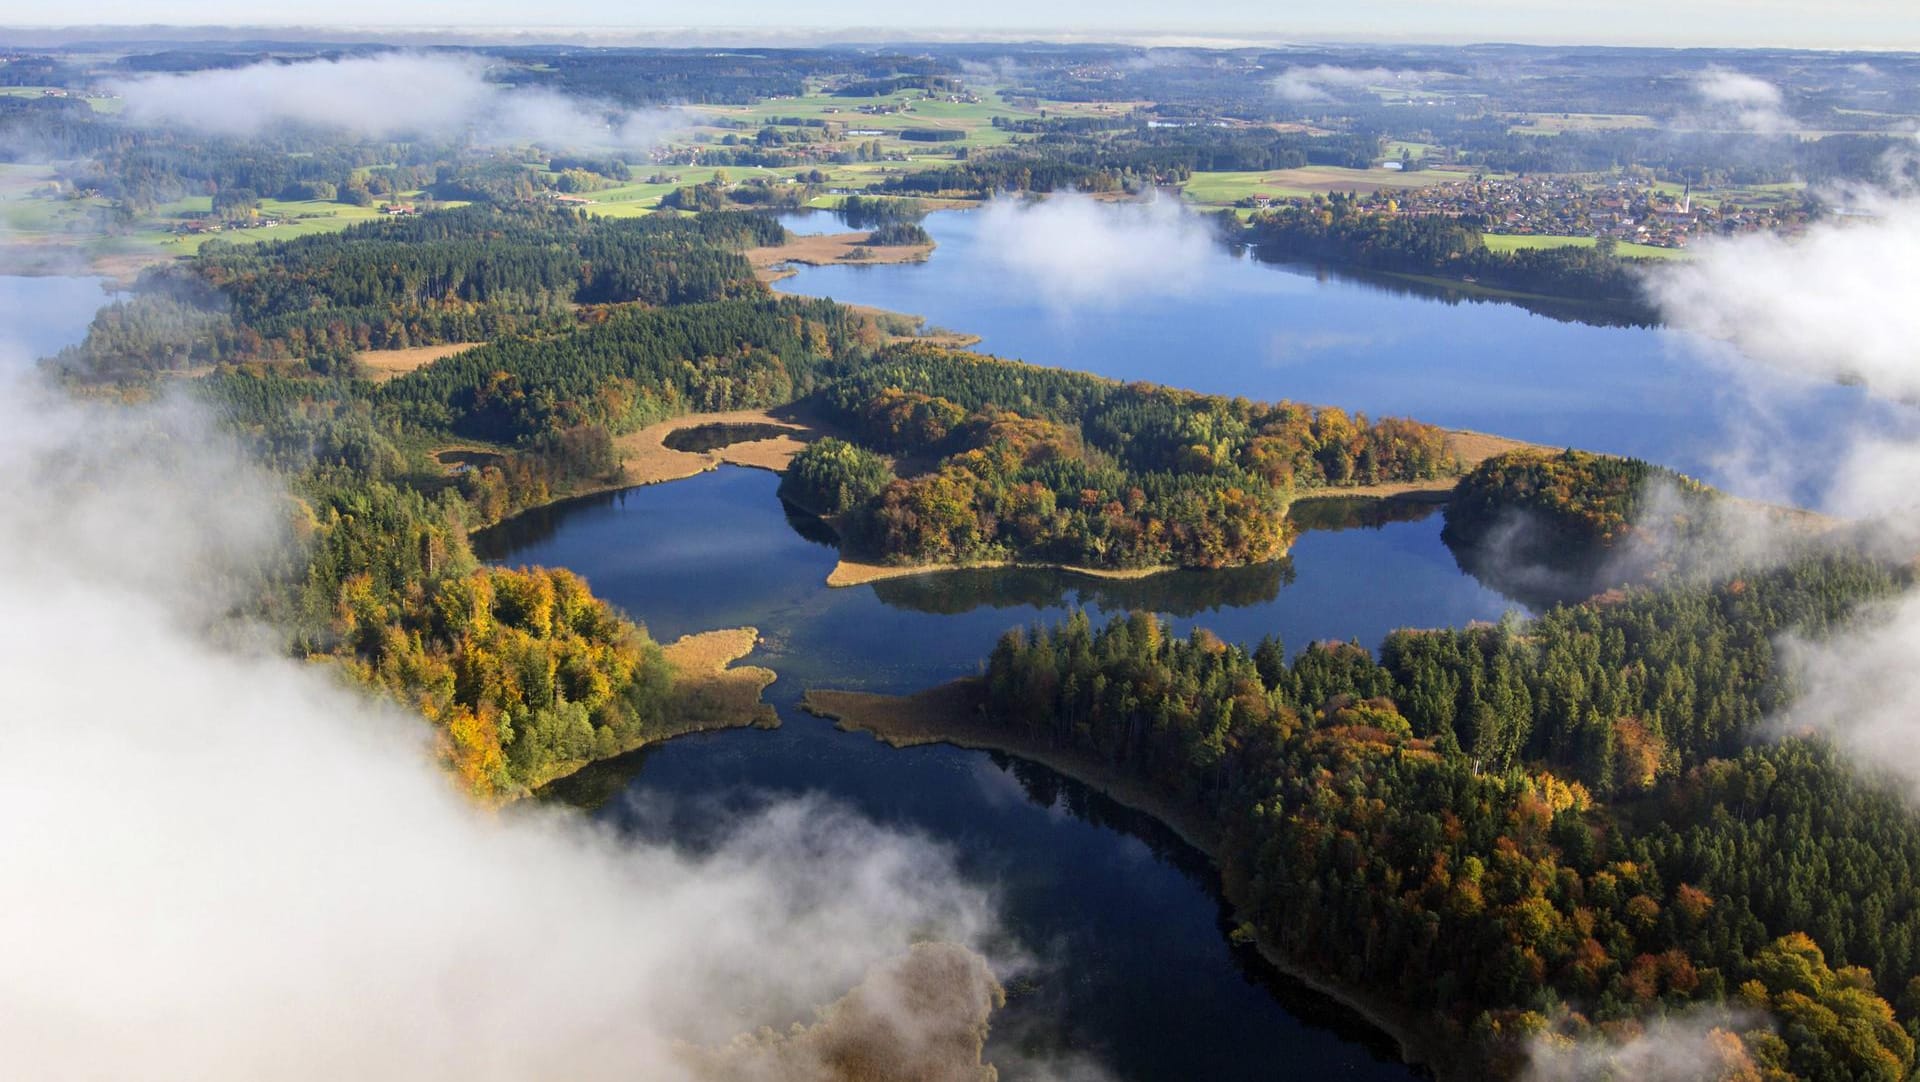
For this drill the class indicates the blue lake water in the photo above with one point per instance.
(1140, 973)
(1232, 325)
(41, 315)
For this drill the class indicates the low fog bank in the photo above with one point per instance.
(1675, 538)
(1694, 1046)
(1735, 101)
(1316, 83)
(391, 96)
(223, 865)
(1834, 304)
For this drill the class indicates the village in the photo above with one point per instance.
(1627, 208)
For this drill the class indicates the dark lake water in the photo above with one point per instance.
(1137, 970)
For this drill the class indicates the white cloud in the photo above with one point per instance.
(1859, 690)
(1324, 82)
(222, 865)
(1077, 251)
(1700, 1046)
(1732, 99)
(1836, 303)
(390, 96)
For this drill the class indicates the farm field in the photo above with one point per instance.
(1499, 242)
(1223, 189)
(1747, 194)
(975, 119)
(1555, 123)
(98, 104)
(634, 200)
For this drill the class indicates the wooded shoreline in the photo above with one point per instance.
(951, 714)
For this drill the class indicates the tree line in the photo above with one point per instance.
(1337, 231)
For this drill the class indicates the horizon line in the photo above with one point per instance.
(825, 35)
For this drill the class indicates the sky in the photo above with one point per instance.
(1872, 24)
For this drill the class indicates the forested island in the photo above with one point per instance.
(1045, 465)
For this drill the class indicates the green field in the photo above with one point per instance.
(1747, 194)
(100, 105)
(975, 119)
(1223, 189)
(1499, 242)
(27, 208)
(1555, 123)
(631, 200)
(300, 218)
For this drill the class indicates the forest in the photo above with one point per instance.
(1517, 832)
(1042, 464)
(595, 327)
(1336, 230)
(473, 273)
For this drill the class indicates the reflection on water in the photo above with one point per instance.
(530, 528)
(1335, 513)
(1132, 959)
(1562, 309)
(720, 549)
(712, 437)
(1175, 593)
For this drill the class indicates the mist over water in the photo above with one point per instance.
(1239, 327)
(223, 864)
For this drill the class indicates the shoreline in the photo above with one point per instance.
(647, 460)
(856, 573)
(947, 714)
(654, 463)
(771, 264)
(709, 693)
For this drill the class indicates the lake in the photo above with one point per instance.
(1235, 326)
(41, 315)
(1139, 972)
(1136, 969)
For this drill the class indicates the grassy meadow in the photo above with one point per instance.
(1499, 242)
